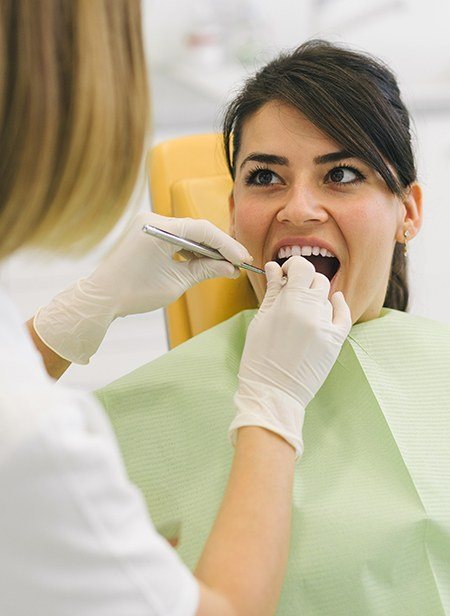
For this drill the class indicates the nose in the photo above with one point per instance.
(302, 206)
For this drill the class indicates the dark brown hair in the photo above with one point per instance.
(354, 99)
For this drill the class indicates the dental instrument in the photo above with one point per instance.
(195, 247)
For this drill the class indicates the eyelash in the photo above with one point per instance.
(250, 179)
(360, 177)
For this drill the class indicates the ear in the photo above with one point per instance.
(232, 228)
(412, 216)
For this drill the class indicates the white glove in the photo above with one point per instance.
(138, 275)
(292, 343)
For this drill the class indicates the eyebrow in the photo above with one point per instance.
(332, 157)
(268, 159)
(273, 159)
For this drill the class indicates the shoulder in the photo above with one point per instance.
(400, 337)
(403, 326)
(420, 321)
(421, 330)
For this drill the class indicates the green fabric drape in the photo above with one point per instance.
(371, 502)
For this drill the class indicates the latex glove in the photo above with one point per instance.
(291, 345)
(138, 275)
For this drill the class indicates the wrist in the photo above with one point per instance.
(264, 441)
(269, 408)
(75, 322)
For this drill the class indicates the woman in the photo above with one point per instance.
(345, 112)
(322, 166)
(74, 534)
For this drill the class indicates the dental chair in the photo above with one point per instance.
(189, 178)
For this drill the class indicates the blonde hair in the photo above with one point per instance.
(73, 118)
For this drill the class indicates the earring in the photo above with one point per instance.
(405, 245)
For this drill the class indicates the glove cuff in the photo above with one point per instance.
(75, 322)
(268, 408)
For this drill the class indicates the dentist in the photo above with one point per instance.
(75, 536)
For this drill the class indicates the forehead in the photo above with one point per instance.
(280, 128)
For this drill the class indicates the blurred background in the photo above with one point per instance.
(199, 52)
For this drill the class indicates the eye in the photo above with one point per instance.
(262, 177)
(344, 175)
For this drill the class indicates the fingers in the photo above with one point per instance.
(204, 268)
(275, 283)
(321, 283)
(205, 232)
(201, 231)
(274, 274)
(342, 317)
(299, 272)
(161, 222)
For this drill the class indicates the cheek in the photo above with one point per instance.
(251, 226)
(370, 236)
(370, 225)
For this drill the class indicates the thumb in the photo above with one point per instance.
(342, 317)
(275, 283)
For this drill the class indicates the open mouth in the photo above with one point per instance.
(324, 262)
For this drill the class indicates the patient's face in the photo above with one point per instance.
(288, 194)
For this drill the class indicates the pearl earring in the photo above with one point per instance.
(406, 234)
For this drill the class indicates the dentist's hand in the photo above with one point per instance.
(138, 275)
(291, 346)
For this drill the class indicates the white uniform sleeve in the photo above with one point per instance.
(75, 536)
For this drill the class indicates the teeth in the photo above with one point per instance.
(305, 251)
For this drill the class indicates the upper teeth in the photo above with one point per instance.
(304, 251)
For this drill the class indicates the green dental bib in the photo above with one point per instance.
(371, 502)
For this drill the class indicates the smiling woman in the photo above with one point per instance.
(321, 159)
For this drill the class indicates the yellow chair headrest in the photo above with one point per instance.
(188, 178)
